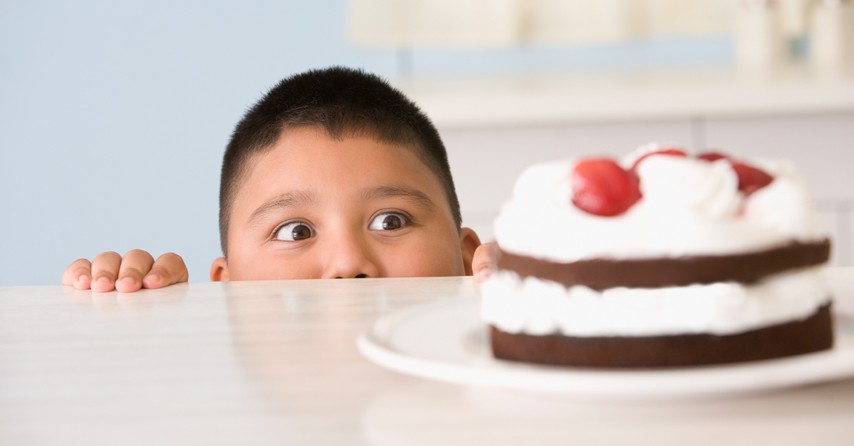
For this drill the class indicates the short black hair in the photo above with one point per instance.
(344, 102)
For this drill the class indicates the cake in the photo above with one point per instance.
(659, 259)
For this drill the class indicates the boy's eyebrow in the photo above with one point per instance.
(398, 191)
(286, 200)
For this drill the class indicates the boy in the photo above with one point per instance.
(333, 174)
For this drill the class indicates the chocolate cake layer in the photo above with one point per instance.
(601, 274)
(812, 334)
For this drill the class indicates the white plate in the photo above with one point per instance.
(447, 341)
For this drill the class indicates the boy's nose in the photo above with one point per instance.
(350, 257)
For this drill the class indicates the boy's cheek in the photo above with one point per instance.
(265, 267)
(425, 260)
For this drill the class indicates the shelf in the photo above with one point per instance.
(532, 100)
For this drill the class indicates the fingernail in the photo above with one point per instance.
(102, 284)
(481, 275)
(151, 279)
(82, 282)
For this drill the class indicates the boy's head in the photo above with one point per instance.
(312, 140)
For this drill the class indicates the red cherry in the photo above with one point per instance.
(602, 187)
(672, 151)
(750, 179)
(712, 156)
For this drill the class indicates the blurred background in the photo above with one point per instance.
(114, 115)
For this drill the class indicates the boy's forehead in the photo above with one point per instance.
(310, 153)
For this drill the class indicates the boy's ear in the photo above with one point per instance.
(219, 270)
(469, 241)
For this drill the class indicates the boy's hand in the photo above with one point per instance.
(109, 271)
(484, 261)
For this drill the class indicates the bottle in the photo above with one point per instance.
(759, 41)
(831, 47)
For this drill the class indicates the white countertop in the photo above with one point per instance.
(276, 363)
(627, 96)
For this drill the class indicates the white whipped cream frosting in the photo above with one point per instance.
(539, 307)
(689, 207)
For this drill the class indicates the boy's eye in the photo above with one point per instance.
(293, 231)
(389, 221)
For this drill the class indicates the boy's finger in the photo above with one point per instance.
(484, 261)
(135, 265)
(169, 269)
(105, 270)
(78, 274)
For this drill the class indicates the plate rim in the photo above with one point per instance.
(602, 384)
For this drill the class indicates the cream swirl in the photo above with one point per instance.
(672, 184)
